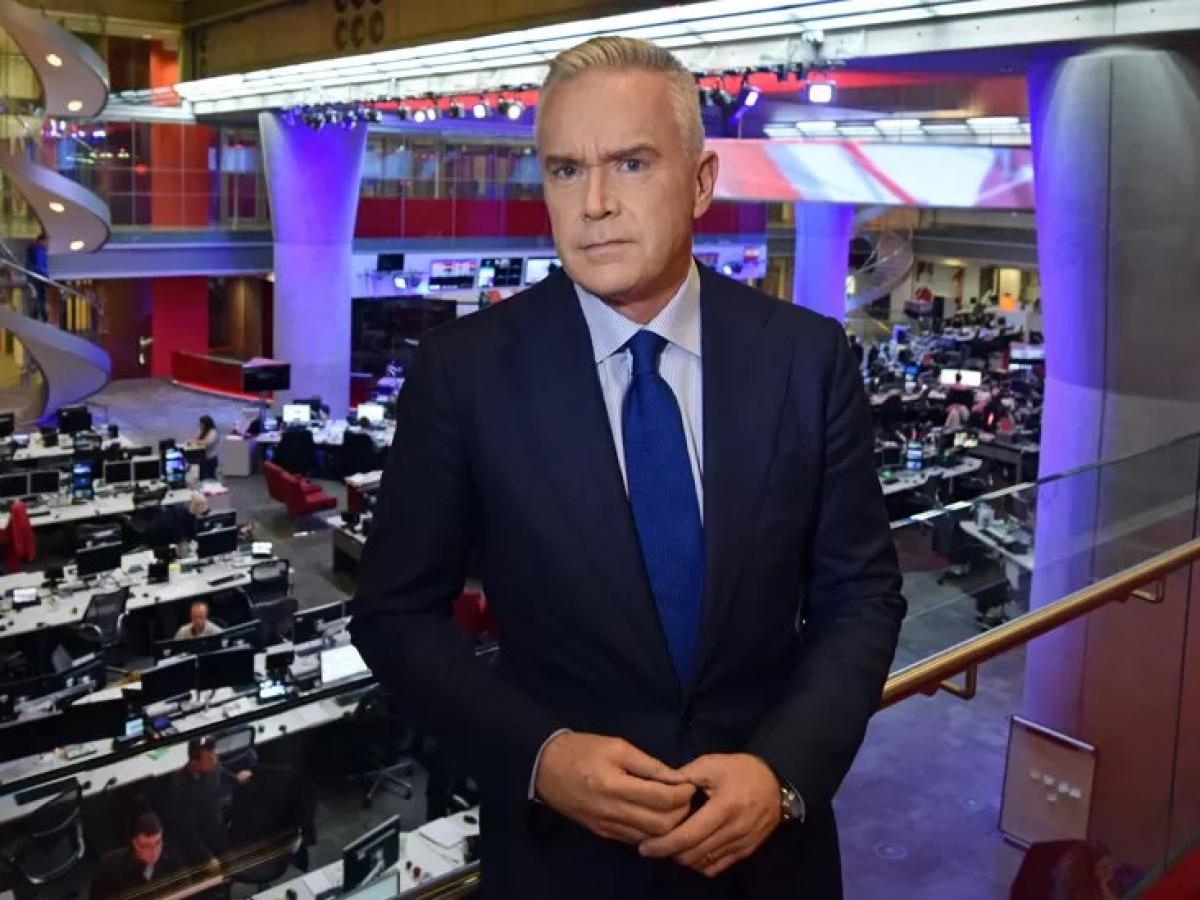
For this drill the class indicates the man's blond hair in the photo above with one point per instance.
(613, 52)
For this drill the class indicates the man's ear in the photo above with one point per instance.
(706, 182)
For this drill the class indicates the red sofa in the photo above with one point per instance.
(299, 495)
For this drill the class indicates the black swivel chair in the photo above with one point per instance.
(297, 452)
(235, 750)
(103, 624)
(386, 743)
(359, 453)
(51, 844)
(951, 543)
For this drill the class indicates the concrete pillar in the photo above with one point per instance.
(823, 233)
(312, 181)
(1114, 145)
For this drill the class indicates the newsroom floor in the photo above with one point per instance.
(918, 812)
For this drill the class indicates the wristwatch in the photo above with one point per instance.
(793, 806)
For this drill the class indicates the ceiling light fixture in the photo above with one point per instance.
(76, 246)
(54, 59)
(75, 105)
(57, 207)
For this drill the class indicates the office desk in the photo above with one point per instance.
(61, 511)
(1022, 457)
(347, 545)
(37, 452)
(151, 761)
(358, 486)
(62, 609)
(418, 847)
(908, 481)
(1017, 566)
(877, 400)
(331, 434)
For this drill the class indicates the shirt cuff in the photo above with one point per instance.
(537, 761)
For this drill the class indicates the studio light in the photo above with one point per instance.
(479, 110)
(820, 92)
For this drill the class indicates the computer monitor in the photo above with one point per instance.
(242, 634)
(911, 372)
(95, 720)
(225, 668)
(372, 412)
(169, 679)
(74, 418)
(27, 737)
(95, 560)
(308, 623)
(278, 662)
(215, 521)
(14, 485)
(81, 482)
(215, 543)
(971, 378)
(340, 663)
(49, 435)
(118, 472)
(8, 424)
(892, 456)
(166, 444)
(44, 482)
(174, 469)
(93, 534)
(297, 414)
(914, 456)
(147, 469)
(367, 857)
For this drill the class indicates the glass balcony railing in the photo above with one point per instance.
(321, 787)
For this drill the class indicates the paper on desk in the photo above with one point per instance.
(319, 881)
(446, 833)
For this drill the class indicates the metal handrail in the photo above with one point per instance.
(927, 676)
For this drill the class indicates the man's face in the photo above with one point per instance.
(147, 848)
(206, 762)
(199, 617)
(621, 187)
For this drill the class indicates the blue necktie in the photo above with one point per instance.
(662, 495)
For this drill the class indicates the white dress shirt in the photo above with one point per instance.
(680, 364)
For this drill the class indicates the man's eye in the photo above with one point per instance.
(632, 165)
(565, 171)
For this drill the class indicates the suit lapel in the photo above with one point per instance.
(567, 426)
(744, 389)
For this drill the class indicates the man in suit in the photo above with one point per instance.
(140, 870)
(669, 480)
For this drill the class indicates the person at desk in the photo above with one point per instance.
(194, 821)
(209, 439)
(198, 625)
(661, 724)
(133, 870)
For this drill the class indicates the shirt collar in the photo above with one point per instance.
(678, 323)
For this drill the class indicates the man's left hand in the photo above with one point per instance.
(743, 808)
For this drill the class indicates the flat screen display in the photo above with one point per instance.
(970, 377)
(501, 272)
(537, 269)
(452, 274)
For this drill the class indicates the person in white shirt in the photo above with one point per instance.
(198, 625)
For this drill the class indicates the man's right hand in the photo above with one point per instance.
(612, 788)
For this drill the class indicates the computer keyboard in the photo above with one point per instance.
(224, 579)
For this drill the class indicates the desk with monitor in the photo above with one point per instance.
(386, 859)
(181, 708)
(63, 508)
(65, 604)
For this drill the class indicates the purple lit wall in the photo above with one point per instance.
(1114, 147)
(313, 182)
(822, 257)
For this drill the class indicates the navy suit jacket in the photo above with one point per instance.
(503, 445)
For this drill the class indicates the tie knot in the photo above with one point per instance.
(645, 347)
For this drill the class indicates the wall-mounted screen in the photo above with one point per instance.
(452, 274)
(537, 269)
(501, 272)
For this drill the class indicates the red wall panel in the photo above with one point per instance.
(448, 217)
(179, 320)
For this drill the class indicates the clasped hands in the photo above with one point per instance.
(618, 792)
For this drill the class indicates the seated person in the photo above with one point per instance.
(194, 818)
(131, 870)
(957, 417)
(170, 524)
(198, 624)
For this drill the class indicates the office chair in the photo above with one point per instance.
(950, 542)
(297, 452)
(51, 844)
(269, 598)
(235, 752)
(269, 580)
(270, 864)
(891, 412)
(275, 620)
(358, 453)
(386, 743)
(103, 624)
